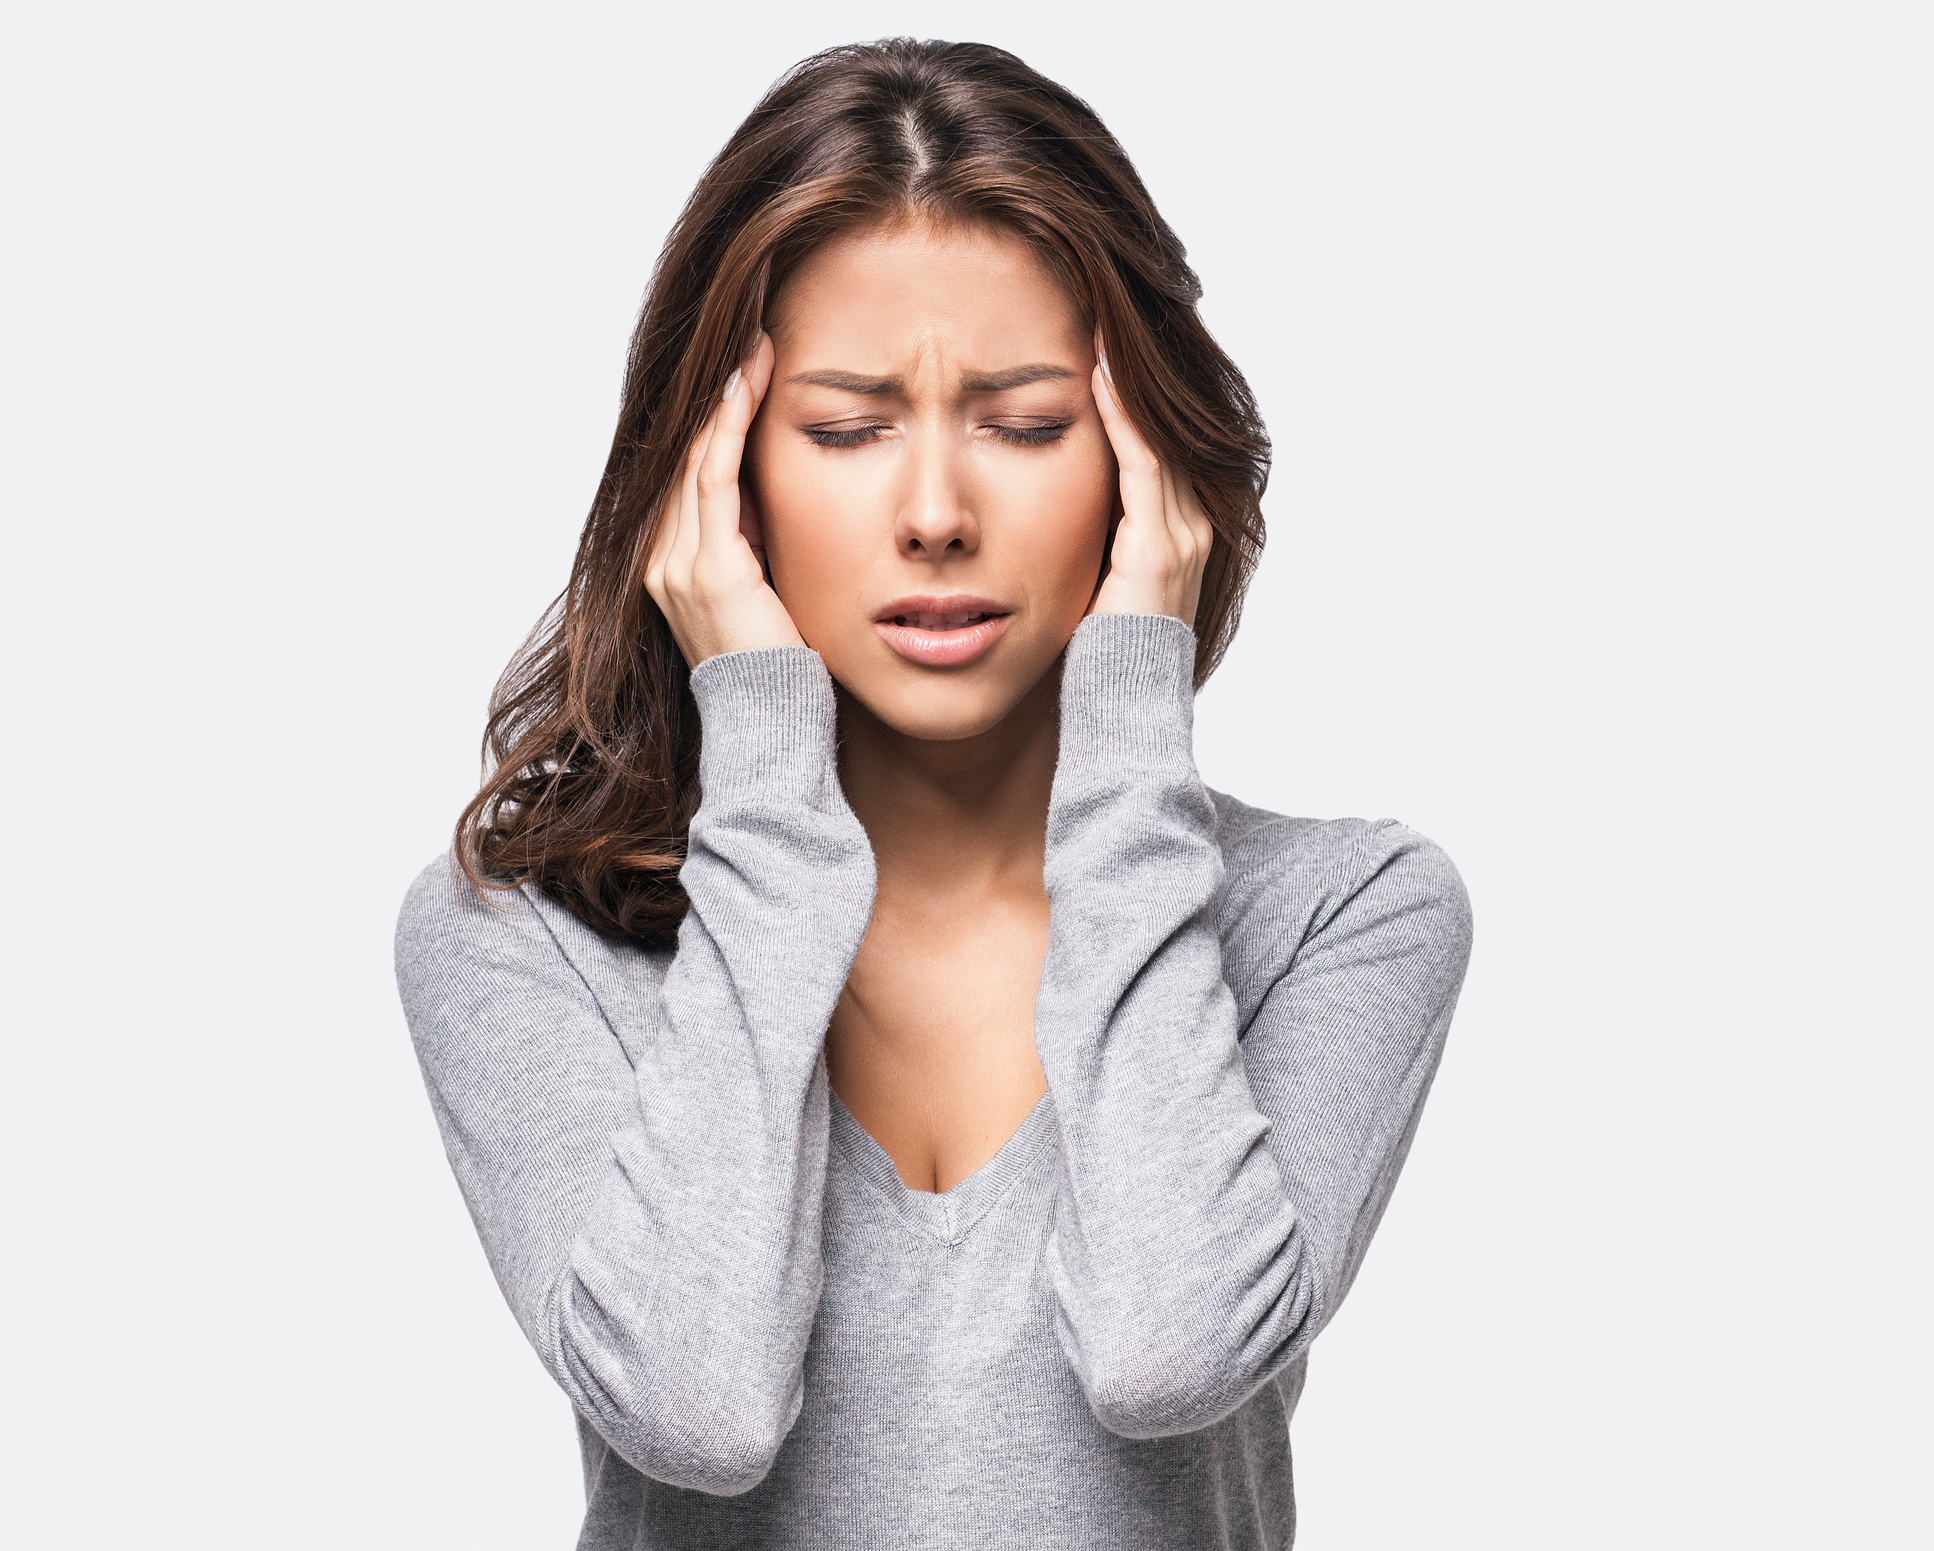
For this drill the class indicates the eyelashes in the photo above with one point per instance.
(1030, 436)
(1013, 436)
(864, 434)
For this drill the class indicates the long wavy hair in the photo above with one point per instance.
(592, 741)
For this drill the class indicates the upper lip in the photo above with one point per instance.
(937, 603)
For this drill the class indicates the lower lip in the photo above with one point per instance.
(942, 648)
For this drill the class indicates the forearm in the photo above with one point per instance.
(730, 1164)
(1223, 1167)
(1176, 1256)
(646, 1161)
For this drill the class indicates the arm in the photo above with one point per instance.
(645, 1165)
(1218, 1186)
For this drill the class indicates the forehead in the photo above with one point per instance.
(870, 300)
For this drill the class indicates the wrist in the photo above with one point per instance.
(767, 721)
(763, 625)
(1121, 594)
(1128, 692)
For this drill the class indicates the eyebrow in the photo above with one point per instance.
(970, 382)
(852, 382)
(1013, 377)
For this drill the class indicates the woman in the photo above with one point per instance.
(900, 1103)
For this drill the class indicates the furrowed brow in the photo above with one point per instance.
(851, 382)
(1013, 377)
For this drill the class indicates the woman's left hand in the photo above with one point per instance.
(1162, 541)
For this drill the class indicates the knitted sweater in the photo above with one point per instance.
(1098, 1338)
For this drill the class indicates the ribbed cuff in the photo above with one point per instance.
(1127, 692)
(767, 719)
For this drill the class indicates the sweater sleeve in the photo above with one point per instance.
(645, 1162)
(1218, 1182)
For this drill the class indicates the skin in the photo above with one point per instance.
(878, 447)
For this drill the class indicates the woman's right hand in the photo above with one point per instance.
(701, 571)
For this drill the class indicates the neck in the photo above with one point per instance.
(958, 816)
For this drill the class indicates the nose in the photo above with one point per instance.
(936, 519)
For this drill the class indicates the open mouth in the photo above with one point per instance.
(941, 632)
(924, 621)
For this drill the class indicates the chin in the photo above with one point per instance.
(934, 707)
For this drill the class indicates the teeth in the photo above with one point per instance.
(938, 622)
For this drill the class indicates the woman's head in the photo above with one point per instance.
(927, 216)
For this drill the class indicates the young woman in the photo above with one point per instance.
(901, 1104)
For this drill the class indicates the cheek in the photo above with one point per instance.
(819, 523)
(1064, 510)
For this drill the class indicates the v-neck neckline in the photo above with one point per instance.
(946, 1215)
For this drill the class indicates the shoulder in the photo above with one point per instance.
(1273, 852)
(452, 939)
(444, 915)
(1293, 881)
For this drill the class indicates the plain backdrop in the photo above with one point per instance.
(1595, 341)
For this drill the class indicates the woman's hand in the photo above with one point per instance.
(1162, 541)
(701, 571)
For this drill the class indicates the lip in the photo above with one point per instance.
(941, 648)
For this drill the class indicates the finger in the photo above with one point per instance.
(683, 551)
(1141, 470)
(662, 538)
(670, 553)
(1188, 524)
(666, 533)
(1184, 562)
(1196, 518)
(718, 472)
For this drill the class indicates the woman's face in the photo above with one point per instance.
(928, 472)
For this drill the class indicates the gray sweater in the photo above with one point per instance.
(1098, 1338)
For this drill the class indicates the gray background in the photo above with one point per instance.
(1595, 342)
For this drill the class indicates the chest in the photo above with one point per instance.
(931, 1046)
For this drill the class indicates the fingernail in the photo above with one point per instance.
(731, 384)
(1110, 376)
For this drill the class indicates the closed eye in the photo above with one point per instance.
(851, 436)
(1013, 435)
(1031, 435)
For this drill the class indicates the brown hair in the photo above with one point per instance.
(593, 733)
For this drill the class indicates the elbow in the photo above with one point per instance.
(1159, 1384)
(725, 1453)
(704, 1428)
(718, 1443)
(1149, 1398)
